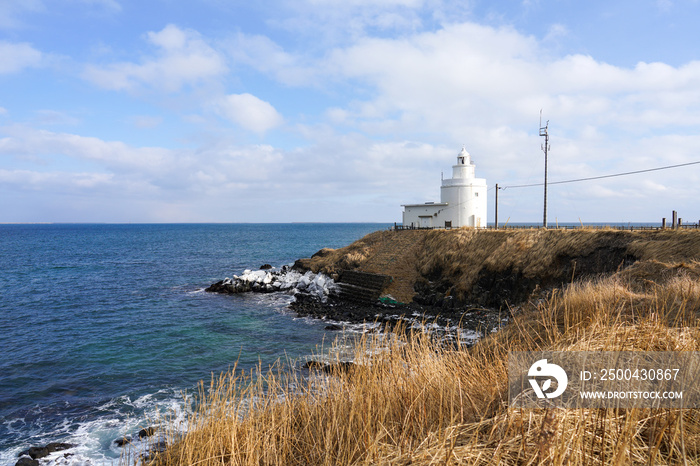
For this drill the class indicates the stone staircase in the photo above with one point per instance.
(362, 287)
(396, 256)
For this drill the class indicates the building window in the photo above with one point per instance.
(476, 194)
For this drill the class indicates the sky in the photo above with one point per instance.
(343, 110)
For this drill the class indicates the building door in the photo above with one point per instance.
(426, 222)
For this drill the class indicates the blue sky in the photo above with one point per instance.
(342, 110)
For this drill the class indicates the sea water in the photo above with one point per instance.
(103, 328)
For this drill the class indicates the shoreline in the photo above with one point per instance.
(481, 321)
(467, 278)
(324, 298)
(560, 283)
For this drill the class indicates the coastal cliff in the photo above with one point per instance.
(422, 397)
(496, 268)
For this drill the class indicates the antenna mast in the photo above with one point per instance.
(545, 147)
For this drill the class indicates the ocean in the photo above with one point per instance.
(104, 328)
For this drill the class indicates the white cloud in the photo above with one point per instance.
(171, 38)
(249, 112)
(262, 54)
(11, 9)
(341, 22)
(18, 56)
(183, 58)
(145, 121)
(175, 172)
(111, 5)
(392, 112)
(467, 74)
(333, 4)
(115, 155)
(555, 32)
(484, 86)
(53, 117)
(62, 181)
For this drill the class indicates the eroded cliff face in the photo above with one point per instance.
(451, 268)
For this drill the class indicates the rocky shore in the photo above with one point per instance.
(270, 279)
(474, 279)
(31, 456)
(320, 297)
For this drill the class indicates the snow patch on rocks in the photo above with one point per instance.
(317, 285)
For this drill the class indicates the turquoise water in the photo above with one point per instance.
(104, 326)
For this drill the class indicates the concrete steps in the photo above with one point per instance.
(397, 253)
(362, 287)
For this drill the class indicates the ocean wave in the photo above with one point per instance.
(94, 438)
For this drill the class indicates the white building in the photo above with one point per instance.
(462, 201)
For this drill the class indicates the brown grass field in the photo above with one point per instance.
(411, 399)
(459, 255)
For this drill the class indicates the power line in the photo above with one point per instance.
(603, 176)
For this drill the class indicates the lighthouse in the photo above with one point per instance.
(462, 200)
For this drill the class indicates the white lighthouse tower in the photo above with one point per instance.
(464, 194)
(462, 200)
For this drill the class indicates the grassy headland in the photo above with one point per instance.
(496, 267)
(413, 400)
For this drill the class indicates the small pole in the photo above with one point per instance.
(496, 220)
(674, 225)
(663, 223)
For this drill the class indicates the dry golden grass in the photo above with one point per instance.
(383, 252)
(410, 399)
(331, 261)
(459, 256)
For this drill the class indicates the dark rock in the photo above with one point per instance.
(335, 368)
(41, 452)
(334, 327)
(35, 452)
(300, 265)
(147, 432)
(52, 447)
(314, 365)
(265, 267)
(154, 450)
(496, 288)
(448, 302)
(27, 462)
(493, 289)
(120, 442)
(217, 287)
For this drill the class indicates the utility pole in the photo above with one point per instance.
(496, 222)
(545, 147)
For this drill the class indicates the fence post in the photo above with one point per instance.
(496, 219)
(663, 223)
(674, 225)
